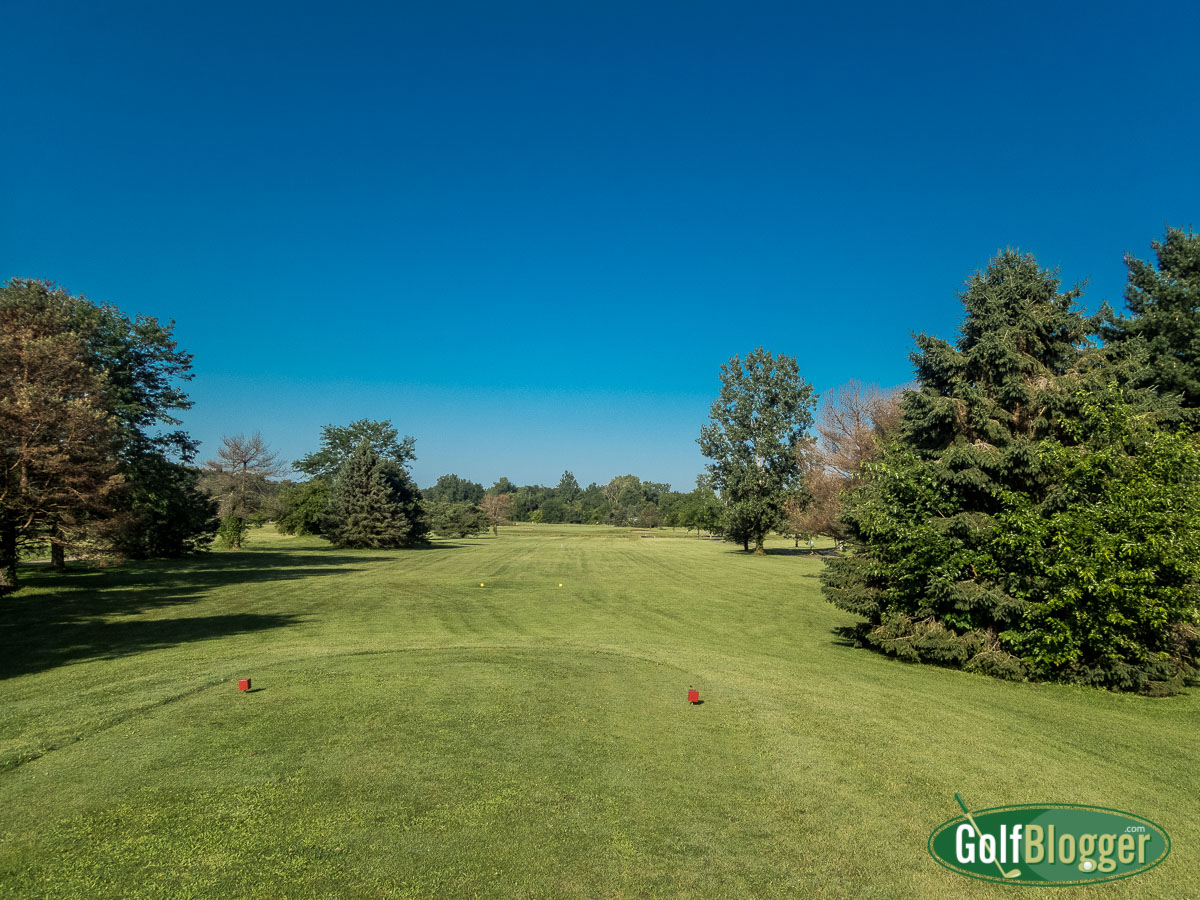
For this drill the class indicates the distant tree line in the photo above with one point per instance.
(457, 507)
(624, 500)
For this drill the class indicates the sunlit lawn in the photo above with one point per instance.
(411, 733)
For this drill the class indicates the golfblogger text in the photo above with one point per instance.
(1091, 852)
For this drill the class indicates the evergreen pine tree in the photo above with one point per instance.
(374, 504)
(1161, 337)
(1029, 521)
(926, 579)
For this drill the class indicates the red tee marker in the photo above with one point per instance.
(693, 696)
(244, 684)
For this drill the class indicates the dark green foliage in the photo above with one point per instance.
(526, 500)
(999, 532)
(568, 488)
(303, 508)
(554, 511)
(626, 497)
(166, 512)
(591, 505)
(622, 501)
(1161, 337)
(232, 532)
(1108, 562)
(757, 421)
(925, 513)
(338, 443)
(503, 486)
(458, 519)
(374, 504)
(452, 489)
(163, 512)
(142, 366)
(699, 509)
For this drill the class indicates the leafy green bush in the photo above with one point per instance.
(1109, 562)
(304, 508)
(232, 532)
(458, 519)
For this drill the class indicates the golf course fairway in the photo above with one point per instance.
(411, 733)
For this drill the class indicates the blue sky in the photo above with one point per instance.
(530, 233)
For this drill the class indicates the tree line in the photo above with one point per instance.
(1027, 508)
(457, 507)
(252, 488)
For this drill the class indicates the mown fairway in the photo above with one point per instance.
(414, 734)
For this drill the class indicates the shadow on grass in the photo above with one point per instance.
(820, 553)
(847, 636)
(69, 616)
(98, 639)
(787, 551)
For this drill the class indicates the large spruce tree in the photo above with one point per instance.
(1160, 338)
(1011, 427)
(374, 503)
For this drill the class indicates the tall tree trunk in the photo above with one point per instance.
(58, 559)
(746, 544)
(758, 545)
(8, 557)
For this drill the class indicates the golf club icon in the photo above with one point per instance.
(1012, 873)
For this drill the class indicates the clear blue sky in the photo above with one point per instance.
(530, 233)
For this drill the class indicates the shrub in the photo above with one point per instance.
(232, 532)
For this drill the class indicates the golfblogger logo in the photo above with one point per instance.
(1057, 843)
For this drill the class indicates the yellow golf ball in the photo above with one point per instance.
(560, 585)
(481, 584)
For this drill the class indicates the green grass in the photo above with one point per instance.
(412, 734)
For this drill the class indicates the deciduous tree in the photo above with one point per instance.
(339, 443)
(852, 424)
(497, 508)
(128, 370)
(458, 519)
(304, 507)
(166, 513)
(452, 489)
(761, 414)
(58, 440)
(239, 477)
